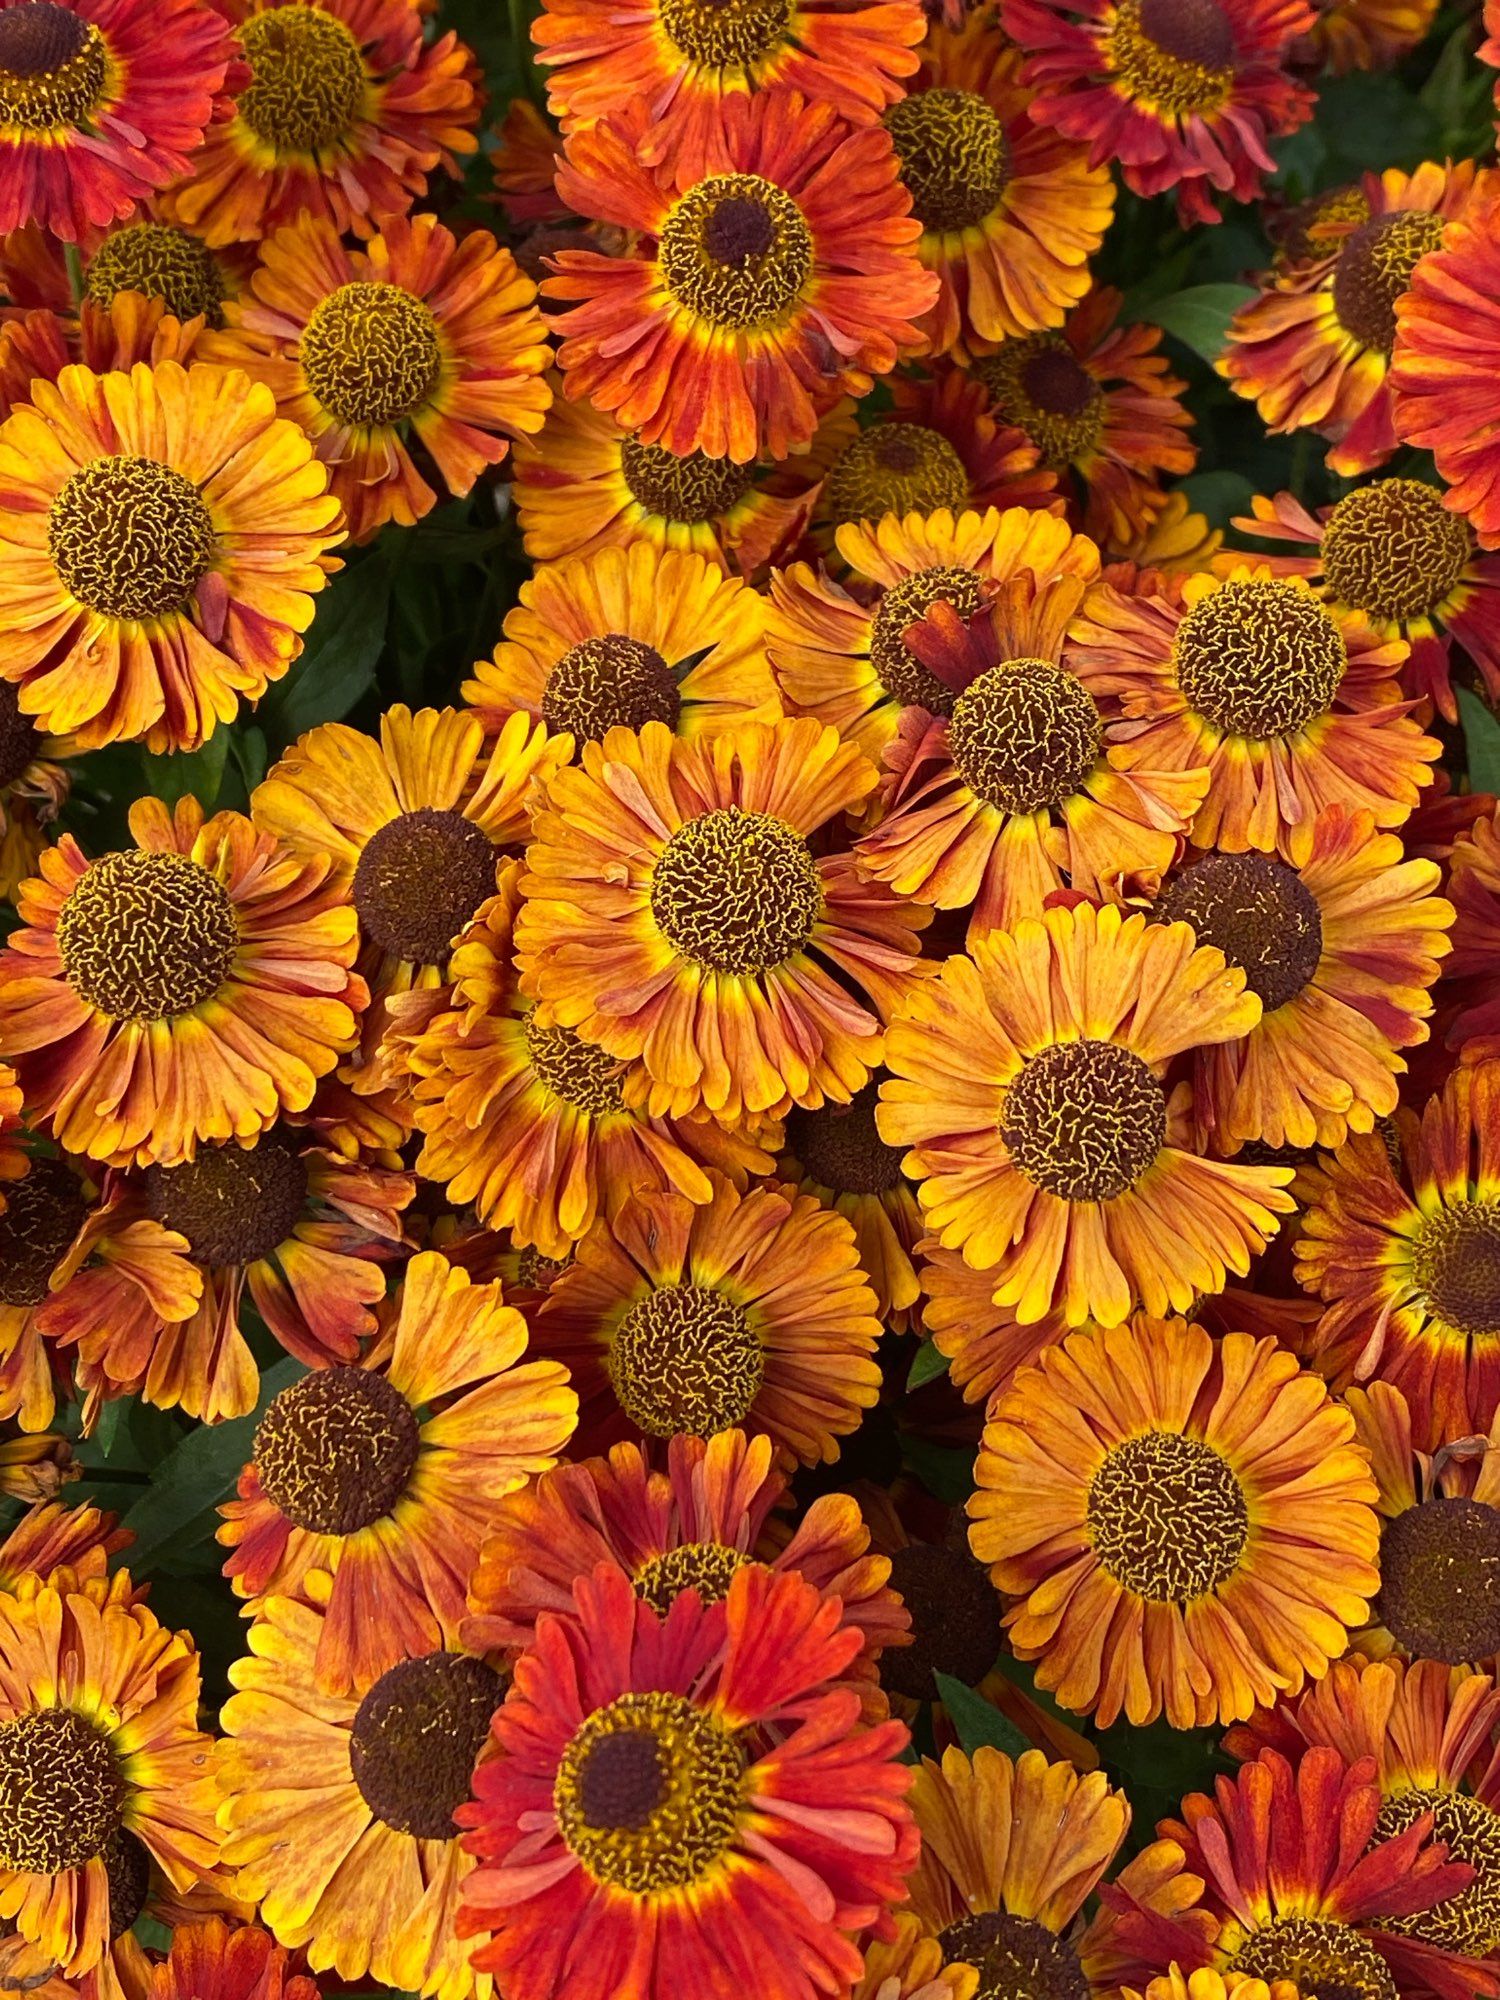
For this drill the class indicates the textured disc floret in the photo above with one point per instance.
(693, 489)
(1259, 913)
(1084, 1120)
(61, 1792)
(736, 250)
(42, 1215)
(720, 33)
(371, 353)
(955, 157)
(1393, 550)
(416, 1737)
(649, 1792)
(307, 80)
(128, 1867)
(686, 1358)
(1039, 384)
(1319, 1958)
(1440, 1580)
(901, 673)
(334, 1451)
(840, 1147)
(1175, 55)
(1025, 735)
(53, 66)
(1016, 1958)
(736, 891)
(579, 1073)
(1374, 269)
(608, 682)
(1468, 1923)
(1456, 1264)
(130, 538)
(419, 880)
(1167, 1517)
(20, 739)
(162, 263)
(234, 1204)
(707, 1567)
(895, 469)
(1259, 658)
(146, 936)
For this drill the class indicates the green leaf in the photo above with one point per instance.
(338, 662)
(1200, 316)
(927, 1364)
(947, 1474)
(1219, 495)
(170, 775)
(1482, 740)
(979, 1721)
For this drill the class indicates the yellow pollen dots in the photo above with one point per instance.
(955, 158)
(1469, 1922)
(419, 880)
(895, 469)
(130, 538)
(1440, 1580)
(725, 33)
(736, 891)
(371, 354)
(335, 1450)
(1374, 269)
(582, 1075)
(61, 1792)
(415, 1738)
(735, 251)
(52, 66)
(1167, 1517)
(1038, 384)
(307, 79)
(649, 1793)
(42, 1215)
(146, 936)
(1456, 1263)
(901, 672)
(608, 681)
(1259, 913)
(1016, 1958)
(1259, 658)
(839, 1146)
(1084, 1120)
(1319, 1957)
(163, 263)
(685, 1358)
(1174, 55)
(693, 489)
(707, 1567)
(1393, 550)
(1025, 735)
(234, 1204)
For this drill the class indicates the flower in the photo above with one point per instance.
(162, 261)
(786, 276)
(1183, 93)
(1365, 34)
(347, 112)
(683, 1796)
(415, 333)
(1013, 788)
(750, 1311)
(1011, 211)
(1447, 331)
(102, 1766)
(1474, 885)
(162, 537)
(525, 165)
(911, 1967)
(1204, 1983)
(33, 1468)
(984, 1343)
(692, 1526)
(1406, 1253)
(34, 786)
(627, 636)
(1313, 350)
(211, 1961)
(689, 59)
(338, 1809)
(102, 101)
(1185, 1524)
(1178, 542)
(1027, 1081)
(1342, 942)
(1290, 709)
(676, 914)
(51, 1538)
(1098, 400)
(181, 991)
(347, 1477)
(131, 328)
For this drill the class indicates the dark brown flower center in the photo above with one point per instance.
(1259, 913)
(840, 1148)
(1025, 735)
(895, 469)
(1038, 384)
(608, 682)
(415, 1739)
(146, 936)
(370, 353)
(127, 1864)
(1468, 1923)
(955, 157)
(900, 672)
(1259, 658)
(335, 1451)
(1374, 269)
(307, 78)
(162, 263)
(129, 537)
(20, 739)
(586, 1077)
(725, 34)
(736, 891)
(52, 66)
(707, 1567)
(1175, 55)
(1393, 550)
(955, 1621)
(1084, 1120)
(61, 1792)
(1324, 1961)
(1194, 31)
(43, 1213)
(735, 250)
(1016, 1958)
(692, 489)
(420, 879)
(234, 1204)
(1167, 1517)
(1455, 1261)
(1440, 1580)
(686, 1358)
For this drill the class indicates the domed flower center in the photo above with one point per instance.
(20, 740)
(1167, 1517)
(1440, 1580)
(707, 1567)
(145, 936)
(128, 1868)
(840, 1148)
(370, 353)
(61, 1792)
(1374, 269)
(1326, 1961)
(686, 1358)
(1038, 384)
(163, 263)
(1016, 1958)
(1084, 1120)
(609, 681)
(335, 1450)
(1456, 1263)
(735, 250)
(52, 66)
(901, 673)
(955, 1621)
(581, 1075)
(420, 879)
(129, 537)
(534, 1272)
(955, 157)
(1393, 551)
(1175, 56)
(1304, 229)
(43, 1214)
(895, 469)
(693, 489)
(736, 891)
(725, 33)
(1259, 913)
(307, 78)
(1468, 1923)
(649, 1792)
(1025, 735)
(416, 1737)
(1258, 658)
(234, 1204)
